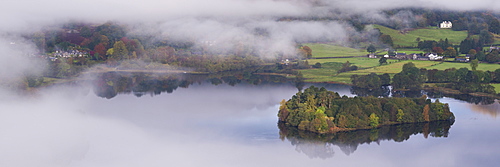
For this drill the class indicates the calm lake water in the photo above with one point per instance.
(201, 124)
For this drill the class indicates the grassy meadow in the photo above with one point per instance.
(409, 39)
(407, 51)
(361, 62)
(328, 71)
(329, 50)
(330, 66)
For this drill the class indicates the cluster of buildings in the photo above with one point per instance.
(419, 56)
(413, 56)
(67, 54)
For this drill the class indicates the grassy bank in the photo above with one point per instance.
(408, 39)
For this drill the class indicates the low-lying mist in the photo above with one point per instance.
(70, 126)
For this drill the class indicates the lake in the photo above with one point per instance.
(221, 122)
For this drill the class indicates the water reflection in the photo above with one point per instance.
(386, 92)
(492, 109)
(110, 84)
(321, 145)
(464, 97)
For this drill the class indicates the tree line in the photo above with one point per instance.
(412, 78)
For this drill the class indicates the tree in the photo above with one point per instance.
(486, 37)
(387, 39)
(86, 32)
(427, 45)
(347, 66)
(370, 81)
(480, 56)
(317, 65)
(113, 31)
(407, 66)
(374, 120)
(371, 49)
(496, 76)
(473, 64)
(494, 25)
(450, 52)
(426, 113)
(400, 115)
(409, 78)
(101, 50)
(308, 51)
(472, 52)
(466, 45)
(385, 79)
(438, 50)
(120, 51)
(382, 60)
(493, 57)
(110, 52)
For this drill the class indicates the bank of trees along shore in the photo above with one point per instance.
(322, 111)
(412, 78)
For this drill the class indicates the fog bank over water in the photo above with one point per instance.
(73, 127)
(206, 125)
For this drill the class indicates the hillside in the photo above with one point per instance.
(409, 38)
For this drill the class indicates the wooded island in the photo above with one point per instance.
(322, 111)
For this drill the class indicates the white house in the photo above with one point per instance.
(446, 24)
(434, 57)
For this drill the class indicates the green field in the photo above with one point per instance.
(361, 62)
(409, 39)
(329, 50)
(394, 68)
(482, 66)
(407, 51)
(328, 72)
(330, 66)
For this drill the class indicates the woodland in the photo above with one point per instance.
(321, 111)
